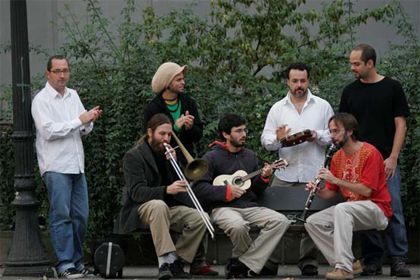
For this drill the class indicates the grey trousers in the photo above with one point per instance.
(308, 252)
(236, 223)
(332, 229)
(182, 219)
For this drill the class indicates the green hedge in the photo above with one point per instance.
(236, 57)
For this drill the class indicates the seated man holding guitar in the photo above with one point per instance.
(234, 207)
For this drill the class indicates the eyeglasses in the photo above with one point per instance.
(59, 71)
(240, 130)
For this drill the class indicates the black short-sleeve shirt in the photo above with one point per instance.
(375, 105)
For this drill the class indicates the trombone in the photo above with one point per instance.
(195, 170)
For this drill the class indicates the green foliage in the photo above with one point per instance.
(6, 104)
(6, 178)
(236, 57)
(403, 63)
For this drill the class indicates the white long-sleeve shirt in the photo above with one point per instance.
(307, 158)
(58, 131)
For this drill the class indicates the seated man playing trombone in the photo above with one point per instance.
(233, 207)
(155, 197)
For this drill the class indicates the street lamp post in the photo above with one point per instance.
(27, 256)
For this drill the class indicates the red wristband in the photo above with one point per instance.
(229, 196)
(265, 180)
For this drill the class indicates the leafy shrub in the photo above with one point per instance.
(6, 178)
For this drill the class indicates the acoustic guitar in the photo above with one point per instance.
(242, 179)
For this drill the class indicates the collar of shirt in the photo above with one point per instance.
(309, 98)
(55, 93)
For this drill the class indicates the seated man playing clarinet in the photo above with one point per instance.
(155, 197)
(357, 171)
(233, 207)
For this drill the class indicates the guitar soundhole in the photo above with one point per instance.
(237, 181)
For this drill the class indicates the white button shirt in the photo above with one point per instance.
(58, 131)
(307, 158)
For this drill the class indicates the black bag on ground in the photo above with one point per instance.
(109, 260)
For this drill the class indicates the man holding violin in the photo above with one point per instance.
(155, 197)
(306, 116)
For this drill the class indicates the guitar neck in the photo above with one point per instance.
(257, 172)
(252, 174)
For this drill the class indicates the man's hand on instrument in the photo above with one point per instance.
(390, 167)
(282, 132)
(267, 171)
(313, 136)
(170, 150)
(310, 186)
(326, 175)
(236, 191)
(176, 187)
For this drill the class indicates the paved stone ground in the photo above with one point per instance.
(150, 272)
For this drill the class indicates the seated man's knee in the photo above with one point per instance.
(278, 221)
(156, 209)
(342, 209)
(158, 204)
(311, 221)
(238, 228)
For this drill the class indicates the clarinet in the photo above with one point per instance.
(330, 152)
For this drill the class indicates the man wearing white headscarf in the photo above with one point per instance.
(169, 84)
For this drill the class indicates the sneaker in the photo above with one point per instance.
(177, 269)
(87, 272)
(372, 269)
(357, 267)
(203, 270)
(164, 272)
(400, 269)
(339, 274)
(309, 270)
(70, 273)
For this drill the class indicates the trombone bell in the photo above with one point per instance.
(196, 169)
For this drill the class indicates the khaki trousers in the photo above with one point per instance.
(332, 229)
(308, 252)
(184, 220)
(236, 223)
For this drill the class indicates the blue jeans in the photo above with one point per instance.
(68, 216)
(395, 234)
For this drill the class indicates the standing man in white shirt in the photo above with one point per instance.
(298, 111)
(60, 121)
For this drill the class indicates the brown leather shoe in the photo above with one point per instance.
(357, 267)
(339, 274)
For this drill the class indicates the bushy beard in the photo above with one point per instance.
(157, 147)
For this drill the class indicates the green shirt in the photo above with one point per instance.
(175, 111)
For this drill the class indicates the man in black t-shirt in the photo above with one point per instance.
(381, 108)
